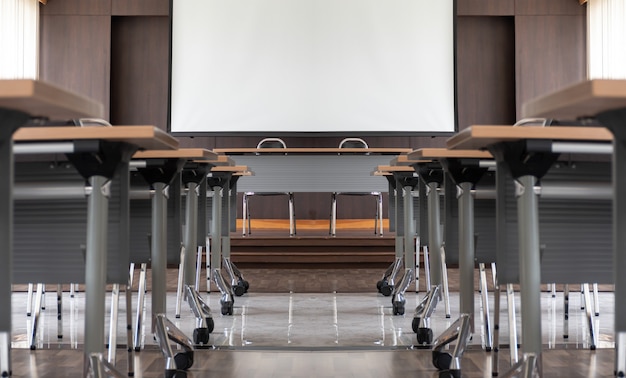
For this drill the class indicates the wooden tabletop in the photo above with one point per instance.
(386, 170)
(145, 137)
(239, 170)
(479, 137)
(39, 98)
(195, 154)
(333, 150)
(585, 99)
(443, 153)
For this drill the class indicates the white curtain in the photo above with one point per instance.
(606, 43)
(19, 39)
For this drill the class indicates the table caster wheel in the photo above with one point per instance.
(246, 285)
(184, 360)
(379, 285)
(175, 374)
(441, 360)
(415, 324)
(231, 307)
(210, 324)
(225, 309)
(424, 336)
(398, 308)
(201, 335)
(386, 289)
(450, 374)
(239, 289)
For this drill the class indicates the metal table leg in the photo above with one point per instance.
(159, 250)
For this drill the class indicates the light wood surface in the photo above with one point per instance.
(442, 153)
(403, 160)
(196, 154)
(386, 170)
(145, 137)
(479, 137)
(334, 150)
(585, 99)
(239, 170)
(39, 98)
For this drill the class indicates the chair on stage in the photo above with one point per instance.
(378, 220)
(268, 143)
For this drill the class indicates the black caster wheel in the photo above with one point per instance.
(386, 289)
(175, 374)
(450, 374)
(398, 308)
(231, 308)
(379, 285)
(415, 324)
(246, 285)
(441, 360)
(424, 336)
(201, 335)
(239, 289)
(210, 324)
(184, 360)
(225, 308)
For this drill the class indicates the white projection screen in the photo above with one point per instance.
(365, 67)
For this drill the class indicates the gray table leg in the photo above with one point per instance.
(400, 219)
(191, 233)
(530, 266)
(216, 230)
(10, 120)
(434, 233)
(466, 251)
(96, 267)
(409, 229)
(226, 226)
(159, 251)
(619, 257)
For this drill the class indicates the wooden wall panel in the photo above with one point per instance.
(75, 54)
(549, 7)
(485, 70)
(139, 70)
(485, 7)
(550, 53)
(77, 7)
(140, 7)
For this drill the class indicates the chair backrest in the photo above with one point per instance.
(272, 143)
(353, 143)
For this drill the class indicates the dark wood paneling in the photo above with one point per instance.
(77, 7)
(550, 54)
(485, 7)
(75, 54)
(549, 7)
(140, 7)
(139, 70)
(485, 70)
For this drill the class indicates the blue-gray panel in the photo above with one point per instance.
(312, 173)
(484, 224)
(575, 235)
(141, 222)
(50, 235)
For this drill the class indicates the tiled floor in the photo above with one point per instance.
(314, 321)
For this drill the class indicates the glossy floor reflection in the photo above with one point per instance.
(314, 321)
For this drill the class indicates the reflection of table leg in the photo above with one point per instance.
(159, 251)
(95, 267)
(434, 233)
(216, 230)
(9, 122)
(191, 233)
(530, 266)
